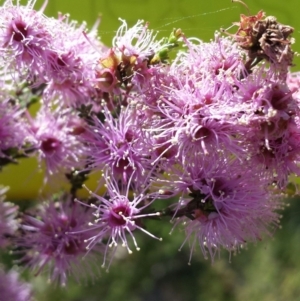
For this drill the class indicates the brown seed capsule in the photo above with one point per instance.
(265, 38)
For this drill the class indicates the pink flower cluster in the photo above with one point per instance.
(217, 128)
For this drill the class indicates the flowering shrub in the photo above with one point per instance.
(212, 132)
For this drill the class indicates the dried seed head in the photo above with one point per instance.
(265, 38)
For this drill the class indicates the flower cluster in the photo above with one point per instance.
(216, 128)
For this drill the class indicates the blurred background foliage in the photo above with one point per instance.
(268, 271)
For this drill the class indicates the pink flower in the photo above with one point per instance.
(8, 221)
(52, 240)
(71, 62)
(13, 129)
(115, 144)
(127, 61)
(118, 214)
(12, 289)
(54, 134)
(137, 41)
(229, 205)
(25, 35)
